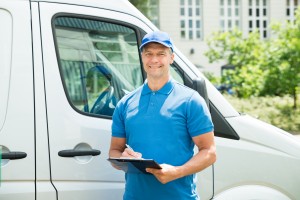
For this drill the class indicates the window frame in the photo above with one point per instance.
(291, 8)
(260, 8)
(101, 19)
(190, 18)
(225, 19)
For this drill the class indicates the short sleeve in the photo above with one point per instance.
(198, 116)
(118, 125)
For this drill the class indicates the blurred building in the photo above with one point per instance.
(190, 22)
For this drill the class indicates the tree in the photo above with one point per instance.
(262, 67)
(284, 77)
(245, 55)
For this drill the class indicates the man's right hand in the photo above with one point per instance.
(129, 153)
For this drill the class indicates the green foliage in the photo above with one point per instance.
(141, 5)
(285, 73)
(263, 67)
(212, 78)
(274, 110)
(245, 54)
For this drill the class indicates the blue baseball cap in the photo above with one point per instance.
(158, 37)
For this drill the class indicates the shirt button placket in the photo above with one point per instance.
(152, 99)
(151, 105)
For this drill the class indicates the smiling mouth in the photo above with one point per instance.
(154, 67)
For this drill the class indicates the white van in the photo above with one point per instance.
(64, 64)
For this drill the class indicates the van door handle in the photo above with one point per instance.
(14, 155)
(73, 153)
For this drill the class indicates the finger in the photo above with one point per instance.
(130, 153)
(133, 153)
(149, 170)
(126, 154)
(153, 171)
(138, 155)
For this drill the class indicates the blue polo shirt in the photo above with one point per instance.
(160, 125)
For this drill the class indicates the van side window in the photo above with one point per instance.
(99, 63)
(5, 61)
(176, 74)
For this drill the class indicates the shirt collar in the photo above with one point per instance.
(166, 89)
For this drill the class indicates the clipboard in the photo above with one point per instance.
(134, 165)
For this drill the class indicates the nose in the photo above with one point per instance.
(154, 59)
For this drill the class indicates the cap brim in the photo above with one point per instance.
(152, 41)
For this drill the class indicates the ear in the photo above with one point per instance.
(172, 58)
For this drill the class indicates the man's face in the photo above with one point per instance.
(157, 59)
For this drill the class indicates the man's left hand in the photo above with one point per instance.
(166, 174)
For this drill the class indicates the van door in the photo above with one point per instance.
(90, 62)
(17, 132)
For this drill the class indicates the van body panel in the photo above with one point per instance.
(44, 188)
(18, 133)
(116, 5)
(256, 150)
(42, 167)
(5, 61)
(45, 191)
(248, 192)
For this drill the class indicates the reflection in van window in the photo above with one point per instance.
(99, 63)
(176, 74)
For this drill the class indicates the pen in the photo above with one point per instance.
(136, 155)
(129, 147)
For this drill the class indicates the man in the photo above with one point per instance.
(163, 120)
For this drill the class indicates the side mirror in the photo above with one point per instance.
(200, 86)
